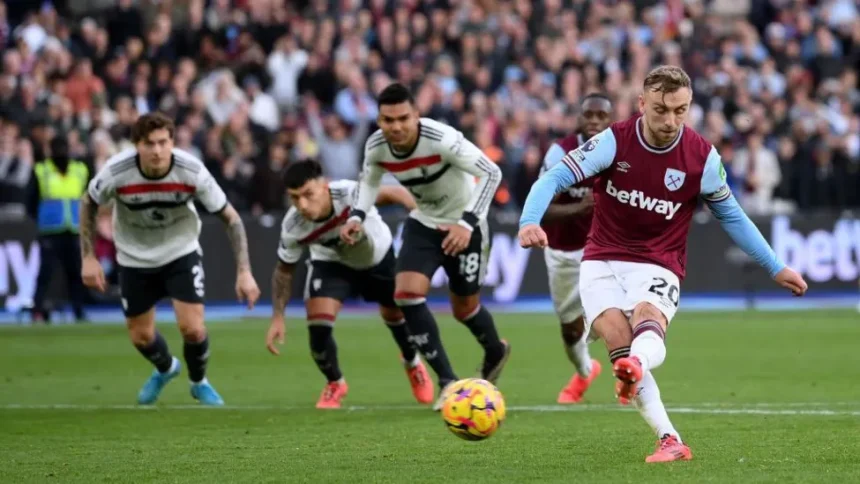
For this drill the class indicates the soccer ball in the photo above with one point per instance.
(473, 409)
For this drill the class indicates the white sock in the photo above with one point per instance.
(649, 347)
(173, 366)
(579, 356)
(201, 382)
(651, 407)
(415, 361)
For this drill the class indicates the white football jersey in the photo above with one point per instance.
(154, 220)
(440, 172)
(323, 236)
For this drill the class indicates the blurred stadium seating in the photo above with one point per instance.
(256, 84)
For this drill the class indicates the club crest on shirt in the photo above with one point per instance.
(674, 179)
(590, 145)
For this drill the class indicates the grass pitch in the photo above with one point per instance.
(759, 397)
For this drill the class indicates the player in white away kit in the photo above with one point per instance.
(449, 228)
(156, 227)
(650, 172)
(337, 271)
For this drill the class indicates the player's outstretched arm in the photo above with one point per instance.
(396, 195)
(740, 228)
(557, 179)
(282, 287)
(246, 286)
(747, 236)
(584, 162)
(91, 270)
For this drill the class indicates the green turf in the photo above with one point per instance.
(778, 364)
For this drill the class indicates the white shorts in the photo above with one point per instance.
(563, 269)
(623, 285)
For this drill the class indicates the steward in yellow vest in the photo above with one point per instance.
(61, 183)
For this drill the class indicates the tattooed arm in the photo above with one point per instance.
(282, 287)
(238, 237)
(246, 286)
(91, 270)
(89, 210)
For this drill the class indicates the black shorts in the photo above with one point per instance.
(337, 281)
(142, 288)
(421, 251)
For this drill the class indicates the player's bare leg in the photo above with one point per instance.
(321, 314)
(469, 311)
(419, 379)
(411, 296)
(576, 348)
(153, 347)
(613, 327)
(189, 317)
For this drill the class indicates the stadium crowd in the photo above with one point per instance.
(256, 84)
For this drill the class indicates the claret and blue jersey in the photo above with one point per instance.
(645, 197)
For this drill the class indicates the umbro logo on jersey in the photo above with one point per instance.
(622, 167)
(636, 198)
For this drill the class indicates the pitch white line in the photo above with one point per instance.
(702, 410)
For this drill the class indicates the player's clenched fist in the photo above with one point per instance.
(532, 236)
(792, 281)
(92, 274)
(350, 232)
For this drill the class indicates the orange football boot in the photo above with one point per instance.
(669, 449)
(332, 394)
(422, 385)
(577, 386)
(629, 373)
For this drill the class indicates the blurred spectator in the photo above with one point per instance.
(758, 168)
(339, 150)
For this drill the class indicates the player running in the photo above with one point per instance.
(651, 171)
(156, 226)
(337, 271)
(566, 223)
(449, 228)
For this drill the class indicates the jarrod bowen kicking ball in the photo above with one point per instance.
(473, 409)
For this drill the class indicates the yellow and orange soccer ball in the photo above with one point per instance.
(473, 409)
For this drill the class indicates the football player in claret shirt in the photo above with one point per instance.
(650, 172)
(566, 223)
(453, 183)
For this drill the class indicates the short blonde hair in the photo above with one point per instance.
(666, 79)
